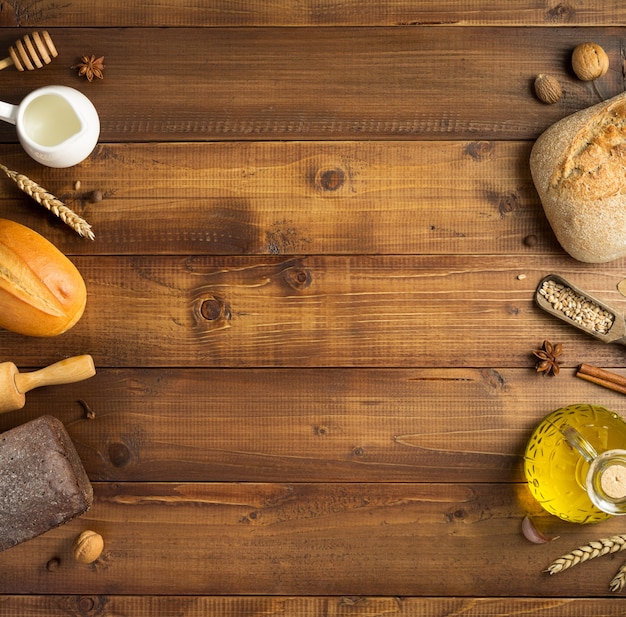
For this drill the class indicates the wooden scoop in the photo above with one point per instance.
(615, 334)
(14, 385)
(30, 52)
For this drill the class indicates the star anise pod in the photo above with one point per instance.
(548, 354)
(90, 67)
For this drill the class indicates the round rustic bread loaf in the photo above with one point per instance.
(41, 291)
(578, 167)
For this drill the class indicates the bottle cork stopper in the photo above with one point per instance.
(613, 481)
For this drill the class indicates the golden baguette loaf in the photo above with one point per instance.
(41, 291)
(578, 166)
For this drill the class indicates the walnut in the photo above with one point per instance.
(589, 61)
(88, 546)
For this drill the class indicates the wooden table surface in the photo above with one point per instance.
(310, 305)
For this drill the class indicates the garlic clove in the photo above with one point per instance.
(532, 534)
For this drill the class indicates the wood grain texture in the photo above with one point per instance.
(311, 307)
(289, 606)
(398, 539)
(323, 83)
(313, 13)
(370, 311)
(313, 198)
(305, 425)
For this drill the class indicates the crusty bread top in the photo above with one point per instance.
(578, 167)
(593, 165)
(41, 291)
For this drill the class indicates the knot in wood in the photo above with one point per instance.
(85, 605)
(119, 454)
(563, 12)
(298, 278)
(211, 309)
(330, 179)
(480, 150)
(508, 202)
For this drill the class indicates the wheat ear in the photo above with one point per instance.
(50, 202)
(619, 580)
(605, 546)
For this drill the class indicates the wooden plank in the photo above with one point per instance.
(387, 425)
(362, 311)
(333, 539)
(367, 350)
(305, 606)
(323, 83)
(313, 198)
(318, 12)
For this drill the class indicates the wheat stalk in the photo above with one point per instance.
(597, 548)
(50, 202)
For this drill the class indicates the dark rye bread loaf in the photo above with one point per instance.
(42, 481)
(577, 166)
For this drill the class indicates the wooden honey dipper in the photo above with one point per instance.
(14, 385)
(30, 52)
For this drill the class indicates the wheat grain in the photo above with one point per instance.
(619, 580)
(580, 309)
(597, 548)
(50, 202)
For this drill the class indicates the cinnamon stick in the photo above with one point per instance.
(602, 377)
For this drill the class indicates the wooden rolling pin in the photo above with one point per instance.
(30, 52)
(14, 385)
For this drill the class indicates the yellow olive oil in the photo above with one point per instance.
(556, 472)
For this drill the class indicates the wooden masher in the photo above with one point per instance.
(31, 52)
(14, 385)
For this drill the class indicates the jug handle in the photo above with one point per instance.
(8, 112)
(578, 442)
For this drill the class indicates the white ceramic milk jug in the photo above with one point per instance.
(56, 125)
